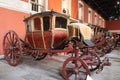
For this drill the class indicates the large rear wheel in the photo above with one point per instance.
(12, 48)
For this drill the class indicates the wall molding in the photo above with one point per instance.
(118, 31)
(16, 5)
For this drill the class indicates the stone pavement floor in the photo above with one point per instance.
(49, 69)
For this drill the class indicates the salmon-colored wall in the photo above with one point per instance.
(11, 20)
(74, 9)
(55, 5)
(113, 25)
(25, 0)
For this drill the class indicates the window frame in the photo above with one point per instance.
(60, 19)
(89, 15)
(95, 19)
(81, 17)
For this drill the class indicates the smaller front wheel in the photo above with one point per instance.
(75, 69)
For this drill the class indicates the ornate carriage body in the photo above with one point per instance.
(47, 30)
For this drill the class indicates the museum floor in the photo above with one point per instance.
(49, 69)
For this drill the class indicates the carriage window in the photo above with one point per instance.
(28, 26)
(46, 23)
(60, 22)
(37, 24)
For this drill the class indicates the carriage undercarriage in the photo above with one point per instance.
(14, 48)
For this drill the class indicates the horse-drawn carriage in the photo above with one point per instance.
(48, 33)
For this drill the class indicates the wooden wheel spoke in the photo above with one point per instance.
(13, 37)
(70, 71)
(10, 37)
(15, 42)
(8, 40)
(12, 48)
(7, 53)
(6, 48)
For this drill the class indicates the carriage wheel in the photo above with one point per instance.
(92, 60)
(75, 69)
(38, 56)
(12, 48)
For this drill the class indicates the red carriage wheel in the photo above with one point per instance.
(37, 55)
(12, 48)
(75, 69)
(92, 60)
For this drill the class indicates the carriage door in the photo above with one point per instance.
(46, 31)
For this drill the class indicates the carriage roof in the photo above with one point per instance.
(47, 13)
(85, 30)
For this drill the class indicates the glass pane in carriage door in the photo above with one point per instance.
(37, 24)
(60, 22)
(46, 25)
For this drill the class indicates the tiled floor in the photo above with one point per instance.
(49, 69)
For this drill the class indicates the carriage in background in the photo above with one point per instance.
(48, 33)
(103, 39)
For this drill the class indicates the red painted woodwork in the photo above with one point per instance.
(47, 39)
(35, 39)
(59, 37)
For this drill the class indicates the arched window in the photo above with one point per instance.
(37, 24)
(89, 16)
(81, 11)
(95, 19)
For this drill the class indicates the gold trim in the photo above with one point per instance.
(52, 30)
(32, 29)
(42, 31)
(33, 40)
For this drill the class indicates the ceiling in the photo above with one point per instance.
(108, 9)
